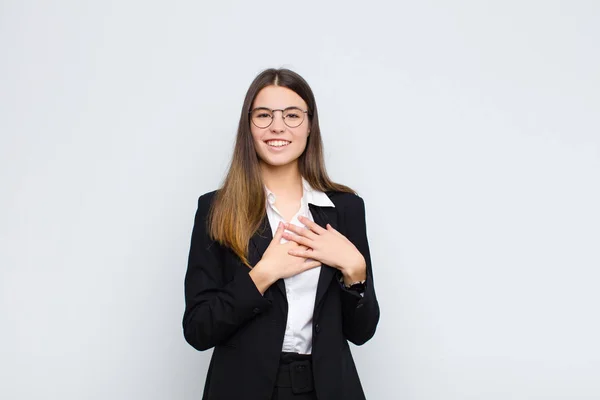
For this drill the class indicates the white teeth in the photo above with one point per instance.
(278, 143)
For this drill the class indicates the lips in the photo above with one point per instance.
(277, 143)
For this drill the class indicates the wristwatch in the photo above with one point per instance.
(358, 287)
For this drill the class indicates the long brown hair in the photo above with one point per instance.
(239, 205)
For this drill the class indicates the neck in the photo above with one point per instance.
(284, 179)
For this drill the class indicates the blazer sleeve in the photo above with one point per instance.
(360, 314)
(215, 307)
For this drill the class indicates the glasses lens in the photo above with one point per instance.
(293, 117)
(261, 117)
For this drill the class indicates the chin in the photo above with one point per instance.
(278, 162)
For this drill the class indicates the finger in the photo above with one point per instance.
(308, 253)
(333, 230)
(293, 245)
(278, 233)
(305, 266)
(298, 239)
(313, 226)
(302, 231)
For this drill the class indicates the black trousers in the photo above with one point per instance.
(294, 378)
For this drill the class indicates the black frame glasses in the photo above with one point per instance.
(284, 115)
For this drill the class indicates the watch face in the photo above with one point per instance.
(358, 287)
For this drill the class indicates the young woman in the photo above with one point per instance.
(279, 274)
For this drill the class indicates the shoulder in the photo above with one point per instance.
(350, 208)
(205, 201)
(344, 200)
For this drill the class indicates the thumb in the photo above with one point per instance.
(278, 234)
(306, 265)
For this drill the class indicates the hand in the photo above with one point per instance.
(329, 247)
(277, 263)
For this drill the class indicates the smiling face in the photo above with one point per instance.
(278, 144)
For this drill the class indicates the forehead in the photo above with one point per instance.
(278, 97)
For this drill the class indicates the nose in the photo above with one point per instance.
(277, 125)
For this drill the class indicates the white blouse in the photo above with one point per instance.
(300, 289)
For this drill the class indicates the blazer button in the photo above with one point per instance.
(317, 328)
(256, 310)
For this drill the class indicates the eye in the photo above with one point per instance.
(293, 113)
(263, 115)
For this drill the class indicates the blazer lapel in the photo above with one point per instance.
(260, 241)
(324, 216)
(258, 245)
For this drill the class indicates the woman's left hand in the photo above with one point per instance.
(329, 247)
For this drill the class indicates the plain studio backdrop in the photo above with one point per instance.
(471, 129)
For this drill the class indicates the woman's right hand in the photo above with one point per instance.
(277, 264)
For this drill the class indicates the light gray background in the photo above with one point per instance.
(471, 129)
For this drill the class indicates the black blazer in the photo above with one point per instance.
(225, 310)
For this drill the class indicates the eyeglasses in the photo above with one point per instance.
(262, 117)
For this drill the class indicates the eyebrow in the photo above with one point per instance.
(267, 108)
